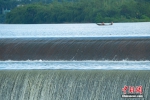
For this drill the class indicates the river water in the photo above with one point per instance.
(139, 29)
(74, 30)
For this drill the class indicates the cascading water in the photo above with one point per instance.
(79, 48)
(71, 84)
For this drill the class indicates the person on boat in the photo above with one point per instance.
(111, 23)
(102, 23)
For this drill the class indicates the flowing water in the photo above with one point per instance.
(73, 61)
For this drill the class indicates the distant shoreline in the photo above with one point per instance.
(92, 11)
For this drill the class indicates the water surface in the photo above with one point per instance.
(74, 30)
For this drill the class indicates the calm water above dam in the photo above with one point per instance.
(74, 30)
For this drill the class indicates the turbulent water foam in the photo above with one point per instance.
(78, 48)
(71, 84)
(104, 65)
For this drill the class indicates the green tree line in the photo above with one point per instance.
(81, 11)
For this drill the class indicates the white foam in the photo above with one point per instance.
(106, 65)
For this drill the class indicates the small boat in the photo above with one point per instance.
(102, 24)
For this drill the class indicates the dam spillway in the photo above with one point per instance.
(75, 48)
(71, 84)
(46, 61)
